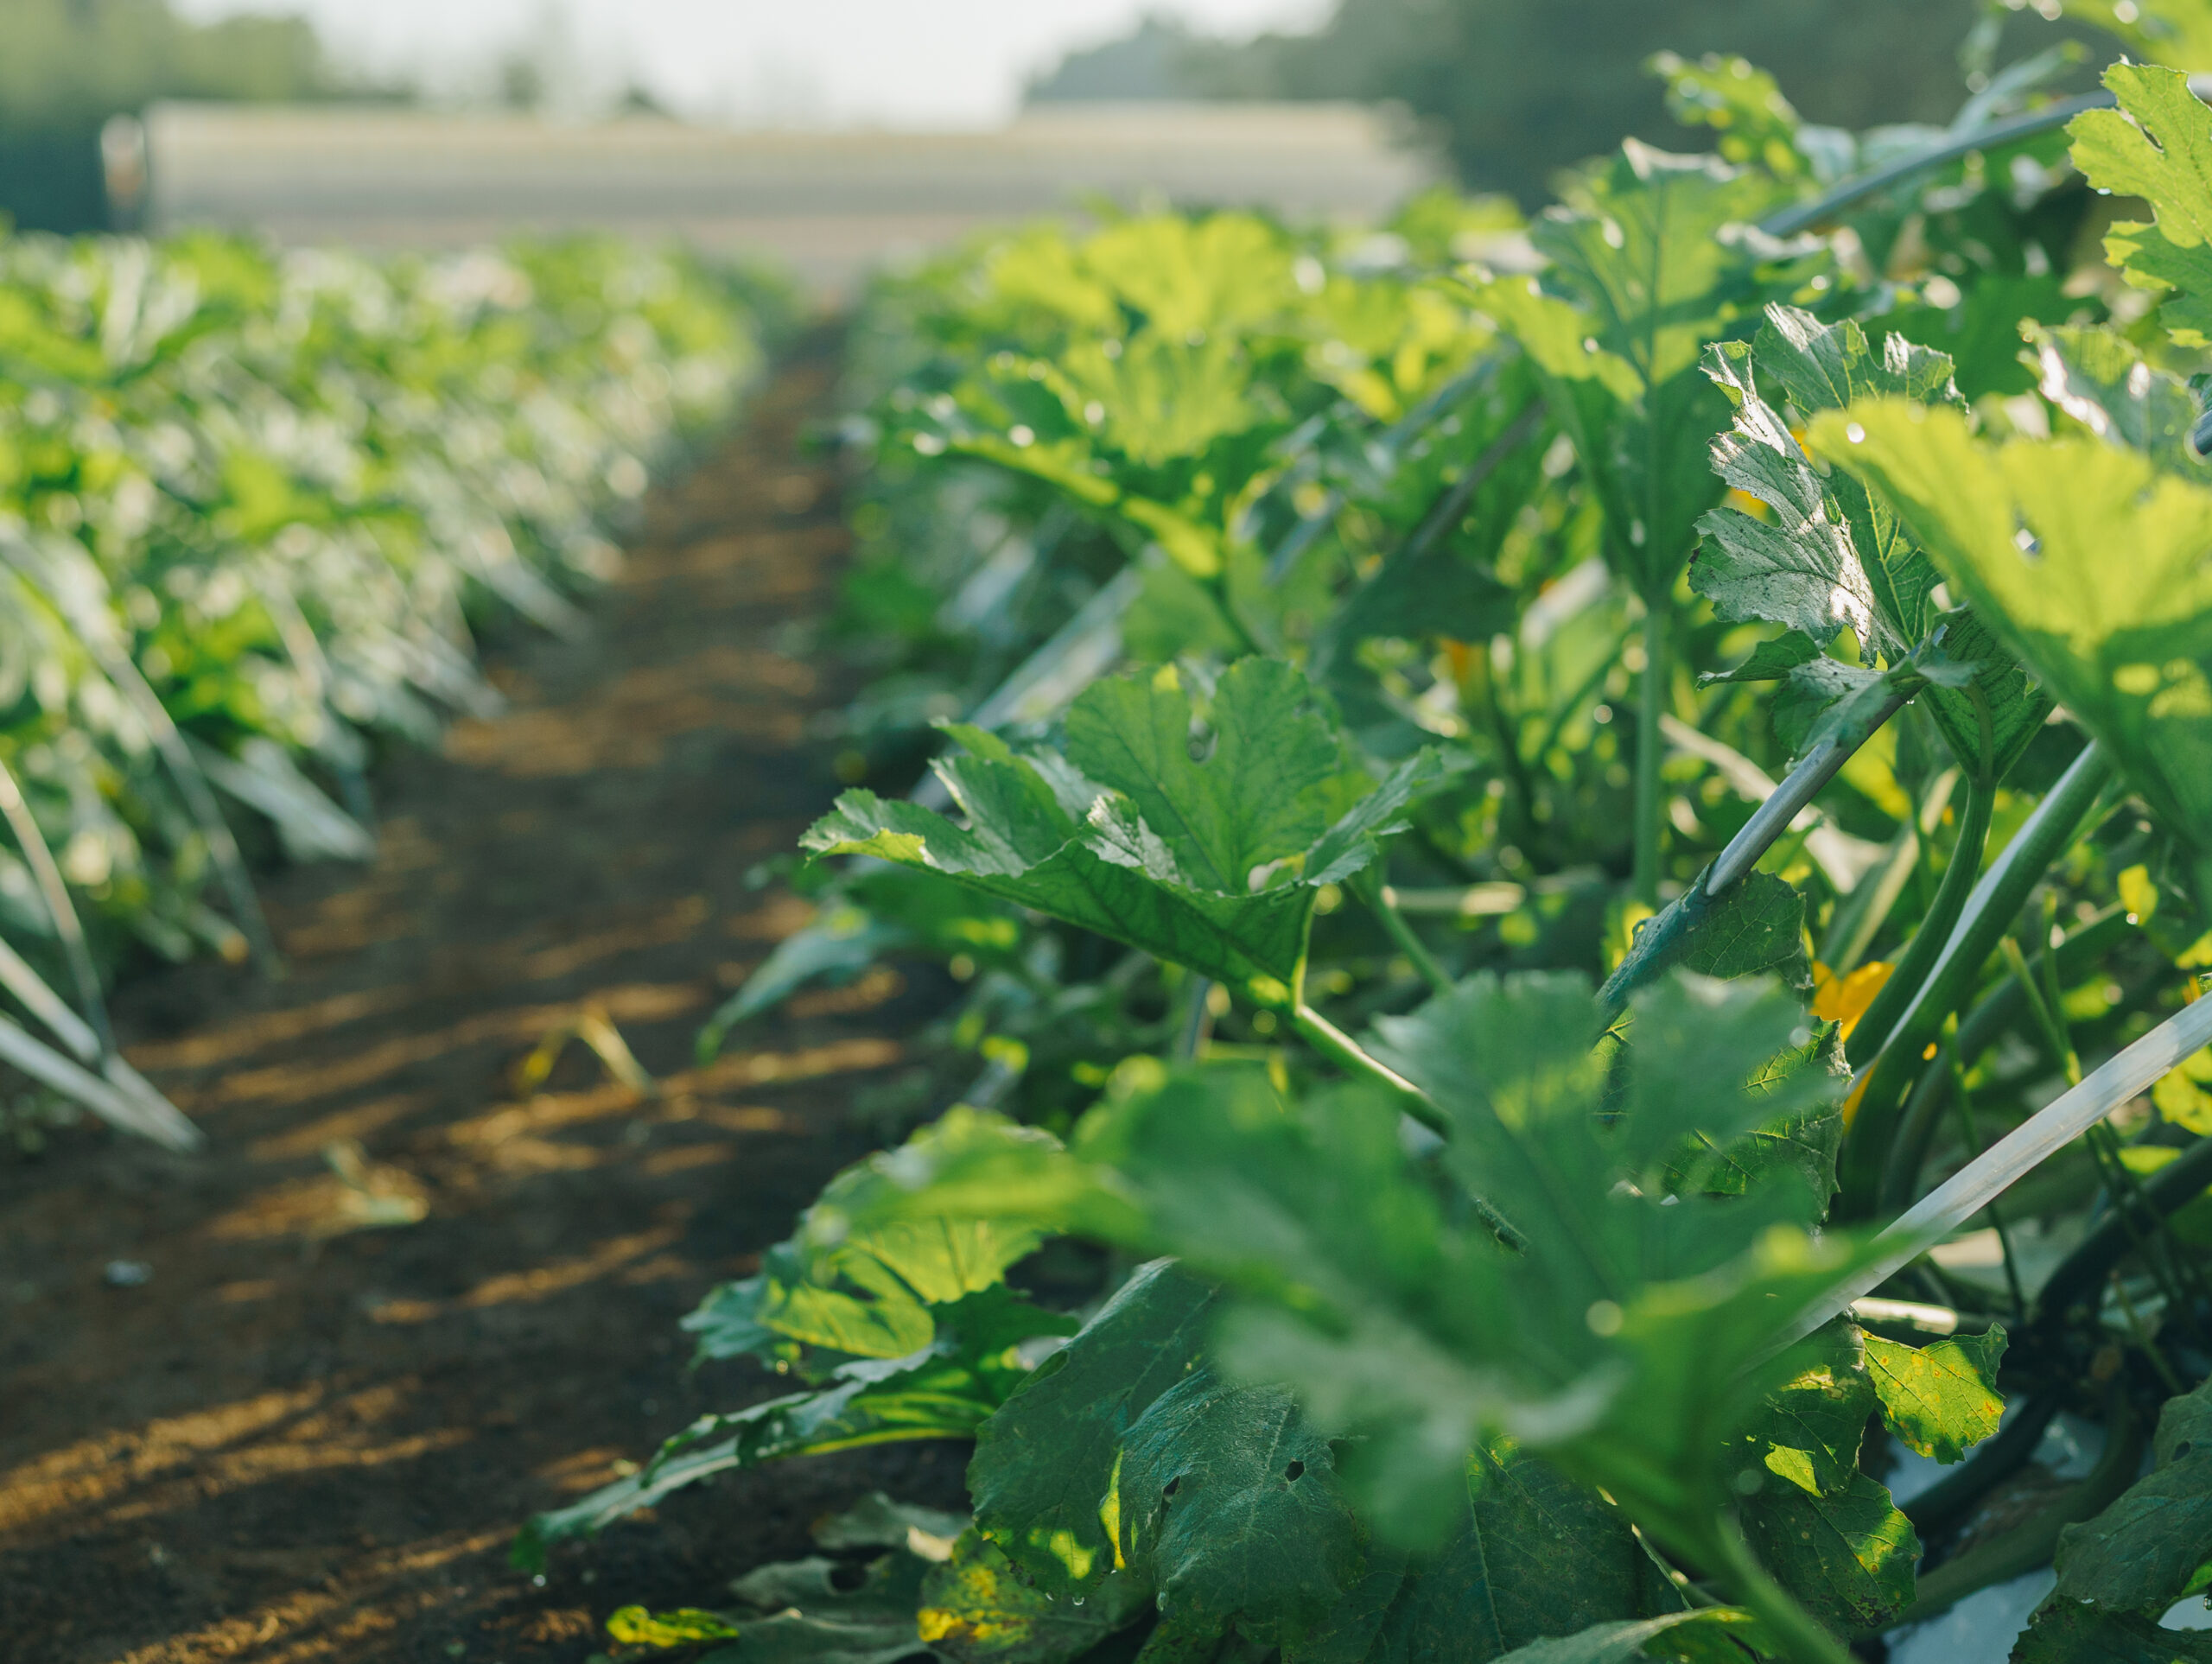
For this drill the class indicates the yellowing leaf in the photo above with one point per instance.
(1941, 1398)
(635, 1627)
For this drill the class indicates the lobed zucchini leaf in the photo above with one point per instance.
(1836, 555)
(2089, 559)
(2157, 146)
(1215, 866)
(1645, 269)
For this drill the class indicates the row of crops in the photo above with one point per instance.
(1575, 859)
(253, 510)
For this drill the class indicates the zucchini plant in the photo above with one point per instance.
(1552, 1171)
(252, 508)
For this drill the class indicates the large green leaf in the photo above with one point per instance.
(1940, 1398)
(2142, 1553)
(870, 1294)
(1832, 555)
(2064, 1633)
(2157, 146)
(1848, 1555)
(2089, 561)
(1533, 1555)
(1830, 1533)
(1214, 865)
(1622, 1340)
(1045, 1465)
(2098, 378)
(1644, 273)
(1227, 1503)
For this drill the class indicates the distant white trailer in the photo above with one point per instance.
(827, 205)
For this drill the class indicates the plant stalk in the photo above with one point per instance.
(1656, 940)
(1376, 895)
(1334, 1044)
(1998, 897)
(1982, 1180)
(1652, 705)
(2033, 1542)
(1979, 1031)
(1935, 932)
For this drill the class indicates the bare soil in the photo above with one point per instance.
(312, 1432)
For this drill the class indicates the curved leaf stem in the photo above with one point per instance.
(1651, 706)
(199, 801)
(67, 928)
(1935, 932)
(1978, 1031)
(2083, 1272)
(1989, 912)
(1805, 781)
(1789, 222)
(1332, 1041)
(1376, 894)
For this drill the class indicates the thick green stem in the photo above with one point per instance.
(1935, 932)
(1649, 821)
(1978, 1032)
(2050, 832)
(2081, 1276)
(1332, 1041)
(1376, 895)
(1659, 941)
(1801, 1635)
(2019, 1153)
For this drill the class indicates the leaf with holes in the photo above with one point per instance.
(1226, 1501)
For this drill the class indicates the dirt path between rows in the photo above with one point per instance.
(306, 1439)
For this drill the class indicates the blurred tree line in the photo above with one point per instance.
(68, 66)
(1516, 89)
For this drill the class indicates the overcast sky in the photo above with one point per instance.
(933, 62)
